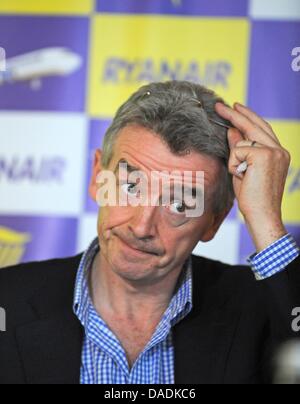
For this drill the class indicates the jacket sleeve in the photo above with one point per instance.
(282, 297)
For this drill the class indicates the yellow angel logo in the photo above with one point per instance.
(12, 246)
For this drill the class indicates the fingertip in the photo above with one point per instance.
(219, 105)
(239, 176)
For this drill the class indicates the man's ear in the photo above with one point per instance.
(97, 168)
(214, 226)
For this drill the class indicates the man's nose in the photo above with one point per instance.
(143, 223)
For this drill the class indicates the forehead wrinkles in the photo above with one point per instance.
(159, 157)
(152, 165)
(148, 152)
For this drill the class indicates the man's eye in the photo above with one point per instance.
(178, 207)
(130, 189)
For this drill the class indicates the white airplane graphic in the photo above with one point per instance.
(34, 66)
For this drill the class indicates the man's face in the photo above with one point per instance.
(147, 243)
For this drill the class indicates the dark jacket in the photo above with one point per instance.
(230, 336)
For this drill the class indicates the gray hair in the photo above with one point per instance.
(171, 111)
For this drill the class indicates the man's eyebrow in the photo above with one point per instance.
(130, 168)
(194, 190)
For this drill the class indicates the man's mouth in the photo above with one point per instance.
(135, 249)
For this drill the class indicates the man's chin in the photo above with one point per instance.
(135, 271)
(138, 276)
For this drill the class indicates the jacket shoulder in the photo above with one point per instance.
(210, 274)
(24, 279)
(219, 268)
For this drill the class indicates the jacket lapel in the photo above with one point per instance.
(50, 347)
(201, 349)
(51, 350)
(202, 341)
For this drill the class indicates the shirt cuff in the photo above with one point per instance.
(275, 258)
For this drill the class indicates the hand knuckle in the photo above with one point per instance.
(287, 155)
(269, 154)
(278, 154)
(282, 155)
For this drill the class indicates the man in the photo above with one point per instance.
(137, 307)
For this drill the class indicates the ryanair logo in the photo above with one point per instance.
(17, 169)
(12, 246)
(164, 49)
(121, 71)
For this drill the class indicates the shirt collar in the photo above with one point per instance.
(82, 299)
(180, 305)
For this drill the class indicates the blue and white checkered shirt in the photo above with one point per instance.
(275, 258)
(103, 357)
